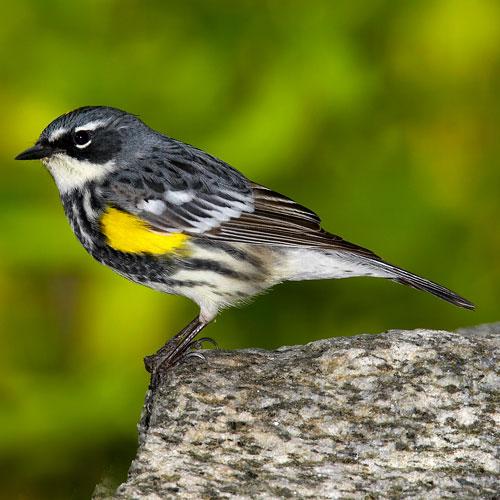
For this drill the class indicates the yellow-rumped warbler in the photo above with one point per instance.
(171, 217)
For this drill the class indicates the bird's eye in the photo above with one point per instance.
(81, 138)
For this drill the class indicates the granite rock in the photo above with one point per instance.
(402, 414)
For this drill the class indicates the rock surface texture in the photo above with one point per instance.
(403, 414)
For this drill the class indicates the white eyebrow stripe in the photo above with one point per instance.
(58, 132)
(92, 125)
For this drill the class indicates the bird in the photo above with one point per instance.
(176, 219)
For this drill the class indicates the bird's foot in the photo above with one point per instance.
(172, 353)
(175, 351)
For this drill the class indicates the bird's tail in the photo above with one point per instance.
(312, 264)
(406, 278)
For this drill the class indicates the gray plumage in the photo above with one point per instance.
(243, 237)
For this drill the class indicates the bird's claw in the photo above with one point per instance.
(158, 364)
(198, 343)
(194, 354)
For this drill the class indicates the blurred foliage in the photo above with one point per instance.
(381, 116)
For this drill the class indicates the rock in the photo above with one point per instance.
(402, 414)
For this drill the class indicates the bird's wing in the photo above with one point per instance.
(277, 219)
(196, 194)
(188, 191)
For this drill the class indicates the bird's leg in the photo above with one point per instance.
(175, 349)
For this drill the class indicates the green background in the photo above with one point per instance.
(382, 116)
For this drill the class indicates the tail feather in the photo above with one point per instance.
(406, 278)
(312, 264)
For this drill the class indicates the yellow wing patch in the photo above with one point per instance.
(128, 233)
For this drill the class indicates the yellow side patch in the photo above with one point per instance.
(128, 233)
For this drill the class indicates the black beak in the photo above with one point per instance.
(36, 152)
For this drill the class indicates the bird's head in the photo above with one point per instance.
(86, 144)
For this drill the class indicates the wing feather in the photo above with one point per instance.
(279, 220)
(189, 191)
